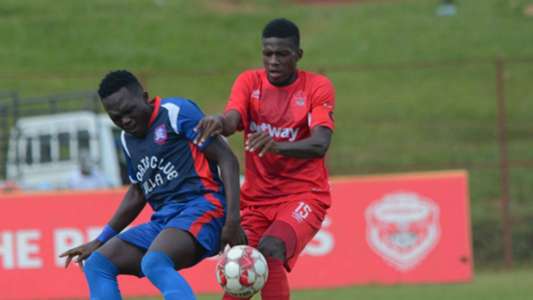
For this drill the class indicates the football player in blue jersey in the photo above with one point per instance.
(196, 211)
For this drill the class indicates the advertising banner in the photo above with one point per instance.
(408, 228)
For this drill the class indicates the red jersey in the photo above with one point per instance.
(288, 114)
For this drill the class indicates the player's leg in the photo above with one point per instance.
(120, 255)
(276, 250)
(102, 267)
(255, 223)
(173, 249)
(186, 239)
(294, 226)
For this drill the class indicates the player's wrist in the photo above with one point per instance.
(220, 121)
(275, 148)
(233, 220)
(219, 118)
(107, 233)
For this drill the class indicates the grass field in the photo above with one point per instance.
(486, 286)
(415, 91)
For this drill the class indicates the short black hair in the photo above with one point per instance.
(282, 28)
(115, 80)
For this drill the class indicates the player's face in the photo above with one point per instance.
(129, 111)
(280, 56)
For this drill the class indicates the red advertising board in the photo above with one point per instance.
(410, 228)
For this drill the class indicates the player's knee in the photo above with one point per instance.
(90, 265)
(272, 247)
(153, 262)
(99, 265)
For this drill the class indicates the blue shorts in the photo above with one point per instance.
(203, 217)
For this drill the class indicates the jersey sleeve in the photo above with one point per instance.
(131, 173)
(240, 97)
(322, 105)
(187, 118)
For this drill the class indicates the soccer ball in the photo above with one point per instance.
(242, 271)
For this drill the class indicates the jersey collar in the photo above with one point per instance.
(288, 86)
(155, 112)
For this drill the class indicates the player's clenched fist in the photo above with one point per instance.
(207, 127)
(82, 252)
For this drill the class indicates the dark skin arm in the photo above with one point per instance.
(313, 146)
(131, 206)
(219, 151)
(129, 209)
(214, 125)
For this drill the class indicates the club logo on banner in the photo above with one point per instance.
(402, 228)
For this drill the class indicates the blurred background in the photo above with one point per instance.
(422, 85)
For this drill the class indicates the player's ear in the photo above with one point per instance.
(146, 97)
(300, 53)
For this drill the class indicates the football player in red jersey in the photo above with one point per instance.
(287, 118)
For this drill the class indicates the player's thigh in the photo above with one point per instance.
(295, 225)
(254, 222)
(179, 245)
(126, 257)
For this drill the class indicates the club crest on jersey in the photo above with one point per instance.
(256, 94)
(402, 228)
(299, 98)
(160, 134)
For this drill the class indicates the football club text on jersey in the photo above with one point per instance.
(167, 171)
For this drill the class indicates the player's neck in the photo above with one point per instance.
(287, 82)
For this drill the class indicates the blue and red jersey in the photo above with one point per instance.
(165, 163)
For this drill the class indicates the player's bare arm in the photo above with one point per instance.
(316, 145)
(217, 124)
(130, 207)
(219, 151)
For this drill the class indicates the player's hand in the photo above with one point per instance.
(207, 127)
(260, 142)
(232, 234)
(80, 252)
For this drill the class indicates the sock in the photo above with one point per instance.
(160, 270)
(101, 275)
(277, 285)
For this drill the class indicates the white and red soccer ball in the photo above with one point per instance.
(242, 271)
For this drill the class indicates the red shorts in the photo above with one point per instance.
(295, 222)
